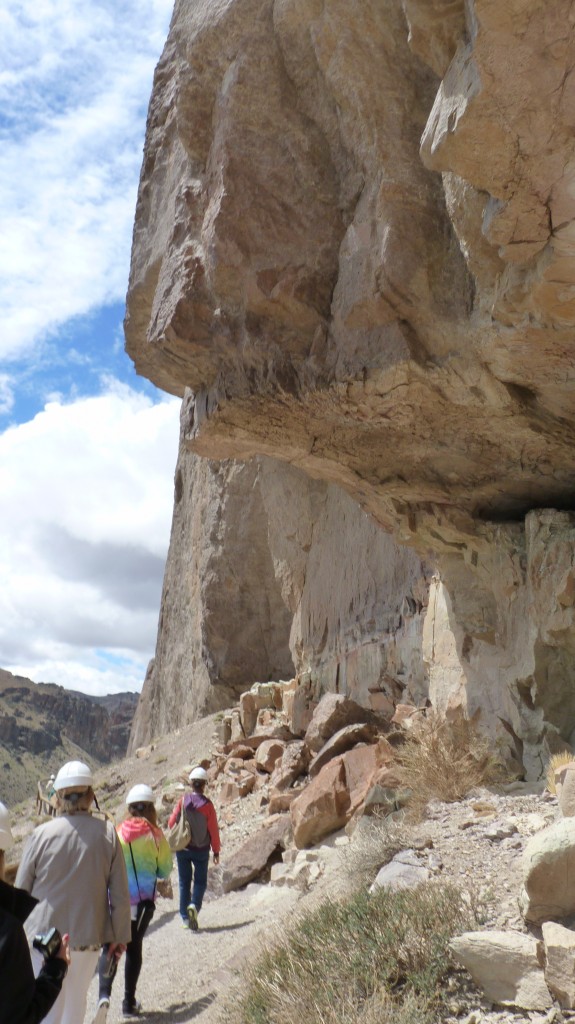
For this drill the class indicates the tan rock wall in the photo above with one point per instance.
(354, 257)
(269, 573)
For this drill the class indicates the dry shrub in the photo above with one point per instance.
(445, 759)
(557, 761)
(374, 843)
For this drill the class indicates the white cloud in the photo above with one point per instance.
(87, 492)
(74, 88)
(6, 393)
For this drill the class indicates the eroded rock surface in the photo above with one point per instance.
(354, 255)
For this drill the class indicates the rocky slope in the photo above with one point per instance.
(476, 843)
(42, 725)
(353, 258)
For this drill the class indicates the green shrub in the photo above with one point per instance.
(365, 959)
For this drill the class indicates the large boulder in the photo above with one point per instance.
(333, 713)
(255, 855)
(322, 807)
(549, 873)
(268, 754)
(341, 741)
(560, 962)
(506, 966)
(293, 762)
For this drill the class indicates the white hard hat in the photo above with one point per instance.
(198, 774)
(6, 837)
(73, 774)
(140, 794)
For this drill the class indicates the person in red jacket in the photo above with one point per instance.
(194, 859)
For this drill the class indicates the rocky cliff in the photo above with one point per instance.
(42, 725)
(354, 259)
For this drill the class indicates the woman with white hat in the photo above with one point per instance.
(193, 860)
(148, 858)
(73, 865)
(24, 999)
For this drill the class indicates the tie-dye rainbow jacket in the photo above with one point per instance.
(152, 856)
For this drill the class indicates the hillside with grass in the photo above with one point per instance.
(42, 725)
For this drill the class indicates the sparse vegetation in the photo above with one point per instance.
(374, 846)
(446, 759)
(557, 761)
(366, 959)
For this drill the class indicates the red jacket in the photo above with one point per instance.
(201, 803)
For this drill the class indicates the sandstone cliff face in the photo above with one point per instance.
(354, 256)
(269, 572)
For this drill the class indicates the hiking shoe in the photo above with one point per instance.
(185, 924)
(102, 1012)
(193, 917)
(131, 1009)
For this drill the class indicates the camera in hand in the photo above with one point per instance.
(48, 944)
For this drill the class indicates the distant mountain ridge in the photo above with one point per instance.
(42, 725)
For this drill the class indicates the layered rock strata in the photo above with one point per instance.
(354, 254)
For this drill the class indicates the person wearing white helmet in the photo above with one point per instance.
(148, 858)
(24, 999)
(73, 864)
(193, 860)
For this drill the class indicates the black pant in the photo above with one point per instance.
(133, 963)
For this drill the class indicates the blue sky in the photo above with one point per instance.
(87, 448)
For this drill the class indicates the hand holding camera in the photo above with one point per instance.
(52, 945)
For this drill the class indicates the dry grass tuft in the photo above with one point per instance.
(374, 844)
(446, 759)
(557, 761)
(378, 959)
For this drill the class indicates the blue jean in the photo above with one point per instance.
(192, 864)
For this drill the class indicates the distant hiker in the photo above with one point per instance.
(73, 865)
(148, 858)
(50, 786)
(24, 999)
(193, 860)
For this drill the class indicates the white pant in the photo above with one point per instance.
(70, 1006)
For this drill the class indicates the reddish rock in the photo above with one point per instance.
(243, 750)
(361, 765)
(252, 858)
(294, 762)
(268, 754)
(322, 807)
(341, 741)
(229, 792)
(378, 701)
(333, 712)
(402, 713)
(280, 802)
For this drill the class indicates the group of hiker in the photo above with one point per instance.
(85, 894)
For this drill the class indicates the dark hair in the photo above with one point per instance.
(143, 810)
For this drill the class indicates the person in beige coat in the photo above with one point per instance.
(74, 866)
